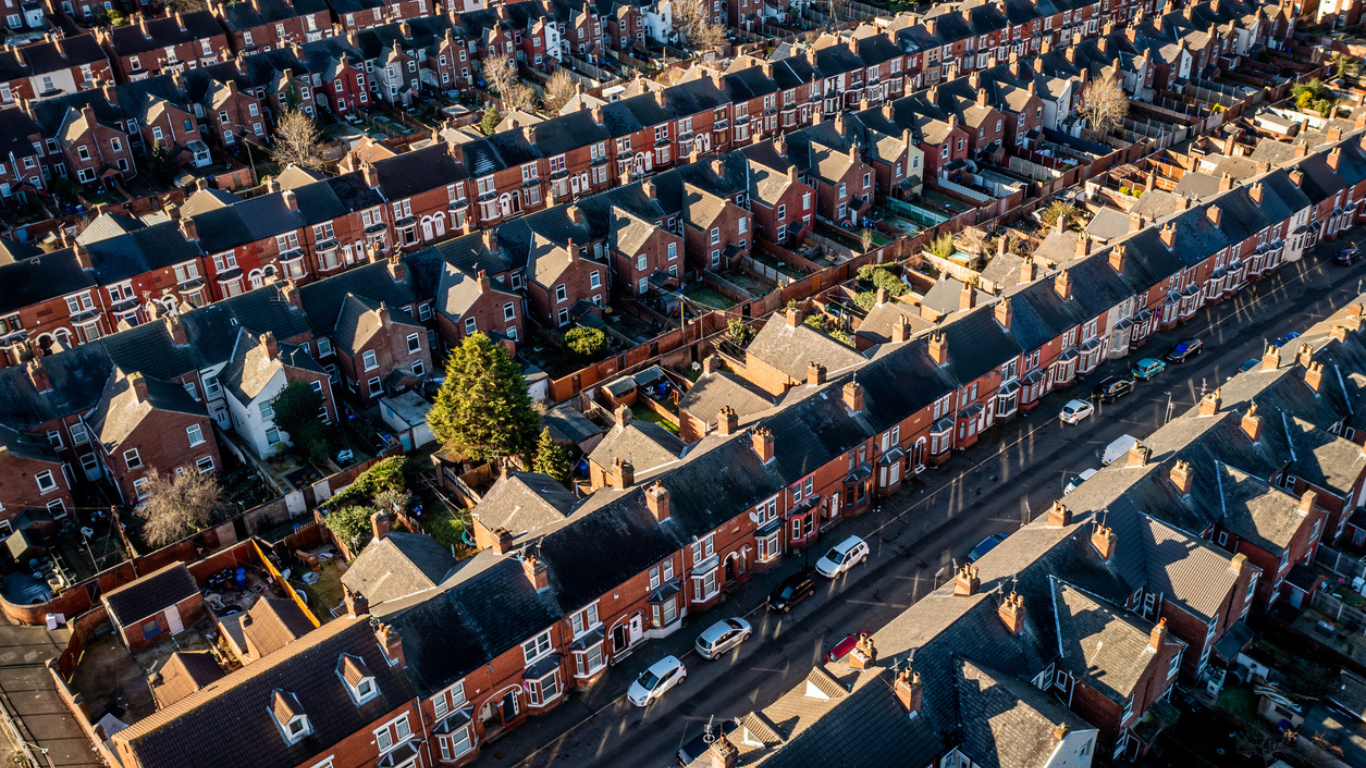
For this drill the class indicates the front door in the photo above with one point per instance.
(621, 638)
(90, 463)
(730, 571)
(427, 233)
(509, 709)
(637, 628)
(173, 620)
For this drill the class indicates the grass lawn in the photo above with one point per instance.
(446, 527)
(643, 413)
(710, 297)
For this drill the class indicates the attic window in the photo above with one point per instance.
(289, 716)
(360, 684)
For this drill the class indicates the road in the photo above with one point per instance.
(1015, 471)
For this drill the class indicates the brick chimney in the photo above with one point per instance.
(727, 422)
(188, 229)
(396, 268)
(1083, 246)
(290, 292)
(291, 200)
(1214, 214)
(380, 524)
(1118, 255)
(648, 187)
(909, 690)
(535, 571)
(815, 373)
(901, 329)
(1182, 477)
(1063, 285)
(965, 581)
(1168, 235)
(1313, 377)
(1252, 424)
(1209, 404)
(1307, 503)
(1305, 357)
(1257, 192)
(1012, 612)
(723, 753)
(1339, 333)
(966, 297)
(1225, 182)
(83, 256)
(882, 295)
(139, 386)
(1028, 271)
(794, 318)
(1059, 516)
(370, 175)
(1138, 455)
(1158, 636)
(490, 238)
(1004, 312)
(939, 348)
(657, 499)
(1237, 563)
(1352, 321)
(356, 604)
(1271, 359)
(622, 414)
(392, 642)
(502, 541)
(1103, 539)
(853, 396)
(762, 439)
(37, 375)
(1334, 159)
(1135, 222)
(623, 474)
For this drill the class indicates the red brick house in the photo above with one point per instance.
(469, 304)
(165, 44)
(638, 250)
(56, 66)
(233, 115)
(93, 151)
(267, 25)
(563, 282)
(783, 205)
(144, 426)
(379, 349)
(32, 478)
(717, 231)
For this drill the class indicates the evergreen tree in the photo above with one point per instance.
(491, 120)
(483, 409)
(160, 165)
(551, 458)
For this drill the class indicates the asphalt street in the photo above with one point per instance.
(1013, 473)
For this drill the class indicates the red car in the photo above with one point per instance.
(843, 647)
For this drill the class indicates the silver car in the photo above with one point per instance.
(721, 637)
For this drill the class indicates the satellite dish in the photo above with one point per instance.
(754, 516)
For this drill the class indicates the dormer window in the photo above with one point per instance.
(289, 716)
(360, 684)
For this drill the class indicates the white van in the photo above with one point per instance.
(1118, 449)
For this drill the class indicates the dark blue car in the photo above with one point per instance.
(988, 544)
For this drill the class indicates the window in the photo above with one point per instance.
(673, 251)
(79, 435)
(414, 343)
(471, 326)
(54, 438)
(324, 347)
(544, 690)
(1174, 666)
(715, 235)
(595, 280)
(140, 488)
(369, 360)
(272, 436)
(384, 739)
(131, 459)
(267, 411)
(375, 386)
(195, 434)
(536, 648)
(418, 369)
(560, 293)
(46, 482)
(204, 465)
(742, 225)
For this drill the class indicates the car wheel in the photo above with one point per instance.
(744, 637)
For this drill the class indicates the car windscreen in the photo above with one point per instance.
(834, 555)
(648, 681)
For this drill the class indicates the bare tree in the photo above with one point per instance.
(1104, 104)
(500, 72)
(518, 97)
(179, 504)
(186, 6)
(559, 89)
(297, 141)
(694, 19)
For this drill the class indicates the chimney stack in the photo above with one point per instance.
(1209, 404)
(380, 524)
(1139, 455)
(1252, 424)
(1307, 502)
(1083, 246)
(1257, 192)
(1339, 333)
(762, 440)
(1004, 312)
(1159, 633)
(37, 375)
(657, 499)
(966, 581)
(1059, 516)
(1118, 255)
(909, 690)
(535, 571)
(1168, 235)
(1313, 377)
(966, 296)
(272, 346)
(392, 643)
(723, 753)
(794, 317)
(370, 175)
(291, 200)
(1271, 359)
(815, 373)
(1214, 214)
(727, 422)
(939, 348)
(139, 383)
(1182, 477)
(623, 474)
(1103, 539)
(901, 329)
(853, 396)
(1012, 612)
(1063, 285)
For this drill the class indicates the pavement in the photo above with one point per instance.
(1011, 475)
(29, 696)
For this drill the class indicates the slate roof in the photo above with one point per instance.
(1100, 643)
(129, 40)
(791, 349)
(250, 370)
(1257, 511)
(322, 301)
(567, 423)
(713, 391)
(524, 502)
(398, 565)
(878, 324)
(119, 411)
(302, 673)
(27, 446)
(1008, 723)
(644, 445)
(359, 319)
(146, 596)
(1184, 569)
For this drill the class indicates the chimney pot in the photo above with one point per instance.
(762, 439)
(815, 373)
(1209, 404)
(535, 571)
(1313, 377)
(1182, 477)
(966, 581)
(657, 499)
(1012, 612)
(1159, 634)
(1252, 424)
(624, 474)
(1059, 515)
(909, 690)
(727, 422)
(1118, 256)
(1271, 359)
(1139, 455)
(1063, 285)
(1004, 312)
(853, 396)
(939, 348)
(1103, 539)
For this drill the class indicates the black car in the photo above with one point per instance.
(793, 590)
(1112, 389)
(698, 747)
(1182, 351)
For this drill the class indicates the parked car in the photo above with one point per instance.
(842, 557)
(698, 747)
(843, 647)
(1075, 411)
(988, 544)
(793, 590)
(1112, 388)
(1182, 351)
(1249, 365)
(1083, 476)
(1118, 449)
(721, 637)
(656, 681)
(1286, 339)
(1147, 368)
(1347, 256)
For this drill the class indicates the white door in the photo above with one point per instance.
(427, 233)
(91, 464)
(173, 620)
(637, 629)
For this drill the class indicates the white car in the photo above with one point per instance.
(656, 681)
(721, 637)
(842, 557)
(1075, 411)
(1075, 483)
